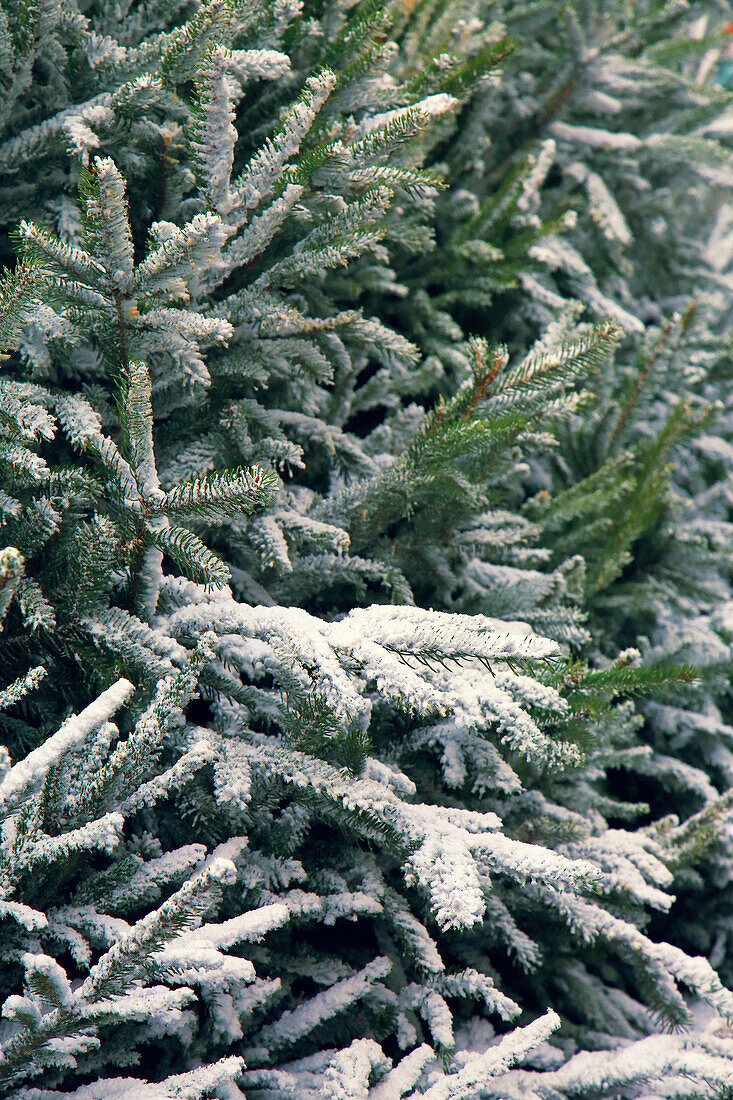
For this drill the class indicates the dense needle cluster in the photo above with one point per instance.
(366, 490)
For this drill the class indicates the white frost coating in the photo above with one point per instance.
(84, 428)
(190, 325)
(533, 862)
(433, 106)
(267, 164)
(297, 1022)
(596, 139)
(667, 962)
(295, 1080)
(473, 821)
(349, 905)
(480, 1068)
(472, 983)
(97, 926)
(111, 208)
(404, 1076)
(446, 869)
(714, 447)
(25, 402)
(627, 866)
(80, 129)
(292, 633)
(140, 428)
(146, 883)
(421, 944)
(80, 420)
(53, 975)
(206, 967)
(601, 103)
(194, 1085)
(347, 1078)
(541, 293)
(266, 535)
(232, 776)
(452, 850)
(197, 1082)
(137, 942)
(531, 692)
(14, 149)
(325, 536)
(104, 833)
(436, 1013)
(214, 135)
(395, 680)
(29, 772)
(556, 254)
(533, 181)
(25, 1008)
(147, 794)
(606, 307)
(230, 850)
(258, 64)
(260, 231)
(31, 919)
(606, 212)
(182, 253)
(477, 635)
(142, 1004)
(448, 861)
(12, 567)
(443, 863)
(11, 695)
(653, 1058)
(251, 926)
(390, 776)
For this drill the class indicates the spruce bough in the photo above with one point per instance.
(364, 476)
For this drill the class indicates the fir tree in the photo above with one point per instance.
(360, 440)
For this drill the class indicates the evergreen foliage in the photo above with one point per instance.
(365, 598)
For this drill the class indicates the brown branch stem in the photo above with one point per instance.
(482, 385)
(641, 382)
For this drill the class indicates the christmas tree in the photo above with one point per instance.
(365, 613)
